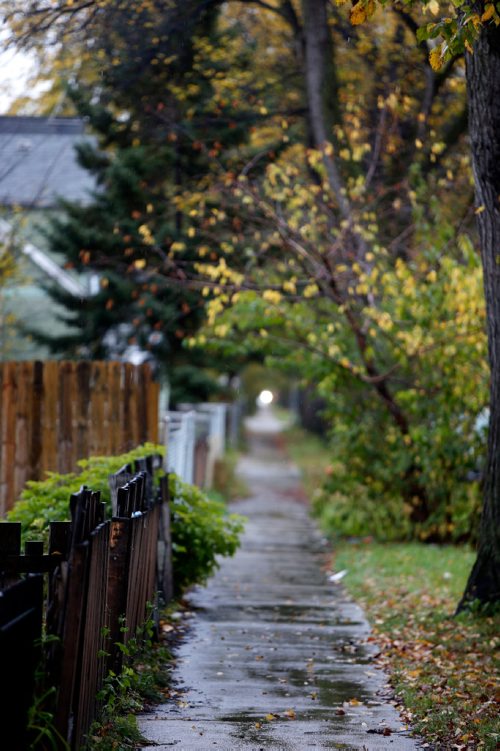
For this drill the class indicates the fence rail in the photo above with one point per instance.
(54, 413)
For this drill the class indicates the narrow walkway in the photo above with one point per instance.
(276, 656)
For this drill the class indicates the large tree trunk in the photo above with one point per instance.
(483, 87)
(322, 91)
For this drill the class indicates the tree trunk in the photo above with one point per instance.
(322, 91)
(483, 89)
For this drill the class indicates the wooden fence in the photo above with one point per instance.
(99, 573)
(54, 413)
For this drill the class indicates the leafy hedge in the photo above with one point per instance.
(201, 527)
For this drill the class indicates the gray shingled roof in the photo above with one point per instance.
(38, 161)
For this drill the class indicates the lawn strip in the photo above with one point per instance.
(444, 669)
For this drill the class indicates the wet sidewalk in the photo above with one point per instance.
(276, 656)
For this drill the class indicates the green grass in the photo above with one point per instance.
(444, 669)
(227, 485)
(312, 456)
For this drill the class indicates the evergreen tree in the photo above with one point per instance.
(159, 124)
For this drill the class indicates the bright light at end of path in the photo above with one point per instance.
(265, 398)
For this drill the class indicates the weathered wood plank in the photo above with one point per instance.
(9, 398)
(50, 417)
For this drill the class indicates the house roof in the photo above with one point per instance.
(38, 161)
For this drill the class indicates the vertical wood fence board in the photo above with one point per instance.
(50, 417)
(24, 379)
(68, 694)
(144, 379)
(65, 437)
(9, 398)
(36, 426)
(115, 399)
(153, 417)
(105, 442)
(82, 408)
(92, 640)
(128, 411)
(96, 410)
(117, 586)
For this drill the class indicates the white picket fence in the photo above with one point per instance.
(198, 428)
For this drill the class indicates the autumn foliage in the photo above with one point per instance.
(319, 209)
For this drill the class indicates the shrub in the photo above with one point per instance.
(43, 501)
(201, 530)
(201, 527)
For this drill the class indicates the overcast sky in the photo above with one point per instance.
(15, 69)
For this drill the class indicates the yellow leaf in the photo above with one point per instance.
(480, 209)
(311, 290)
(489, 12)
(358, 14)
(435, 58)
(140, 263)
(272, 296)
(432, 276)
(434, 7)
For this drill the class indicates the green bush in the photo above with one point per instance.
(201, 530)
(357, 515)
(43, 501)
(201, 527)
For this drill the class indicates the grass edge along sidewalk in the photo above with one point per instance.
(444, 669)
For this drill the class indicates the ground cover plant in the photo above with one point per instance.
(142, 682)
(444, 668)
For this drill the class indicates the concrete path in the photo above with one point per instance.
(276, 656)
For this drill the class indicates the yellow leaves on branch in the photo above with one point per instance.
(146, 234)
(436, 58)
(272, 296)
(358, 14)
(489, 13)
(311, 290)
(362, 11)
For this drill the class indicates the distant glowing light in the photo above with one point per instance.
(265, 398)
